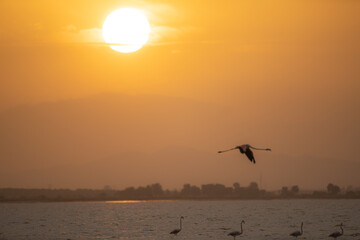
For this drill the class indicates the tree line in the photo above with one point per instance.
(156, 192)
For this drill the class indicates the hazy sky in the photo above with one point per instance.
(215, 74)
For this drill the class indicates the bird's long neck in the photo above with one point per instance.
(241, 227)
(342, 230)
(301, 230)
(180, 223)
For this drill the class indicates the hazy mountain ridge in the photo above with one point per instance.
(121, 140)
(85, 130)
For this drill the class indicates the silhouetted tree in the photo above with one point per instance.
(319, 194)
(252, 191)
(285, 191)
(143, 192)
(215, 190)
(190, 191)
(295, 189)
(156, 190)
(253, 186)
(333, 189)
(129, 190)
(350, 194)
(236, 186)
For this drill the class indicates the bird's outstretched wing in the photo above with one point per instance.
(250, 155)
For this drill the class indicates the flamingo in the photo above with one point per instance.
(337, 234)
(297, 233)
(245, 148)
(176, 231)
(237, 233)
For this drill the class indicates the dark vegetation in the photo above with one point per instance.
(156, 192)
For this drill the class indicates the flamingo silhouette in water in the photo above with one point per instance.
(337, 234)
(237, 233)
(298, 233)
(176, 231)
(245, 148)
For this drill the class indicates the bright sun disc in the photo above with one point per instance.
(126, 28)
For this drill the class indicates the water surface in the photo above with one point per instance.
(264, 219)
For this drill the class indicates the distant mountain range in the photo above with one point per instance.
(115, 133)
(122, 140)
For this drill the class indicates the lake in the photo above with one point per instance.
(264, 219)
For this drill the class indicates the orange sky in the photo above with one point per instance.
(280, 74)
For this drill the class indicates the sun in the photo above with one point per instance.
(126, 30)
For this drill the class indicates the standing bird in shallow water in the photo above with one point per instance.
(237, 233)
(337, 234)
(245, 148)
(298, 233)
(176, 231)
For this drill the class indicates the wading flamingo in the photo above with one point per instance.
(298, 233)
(237, 233)
(337, 234)
(176, 231)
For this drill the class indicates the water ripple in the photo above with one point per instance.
(268, 220)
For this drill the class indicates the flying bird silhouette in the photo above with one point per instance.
(237, 233)
(176, 231)
(245, 148)
(337, 234)
(297, 233)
